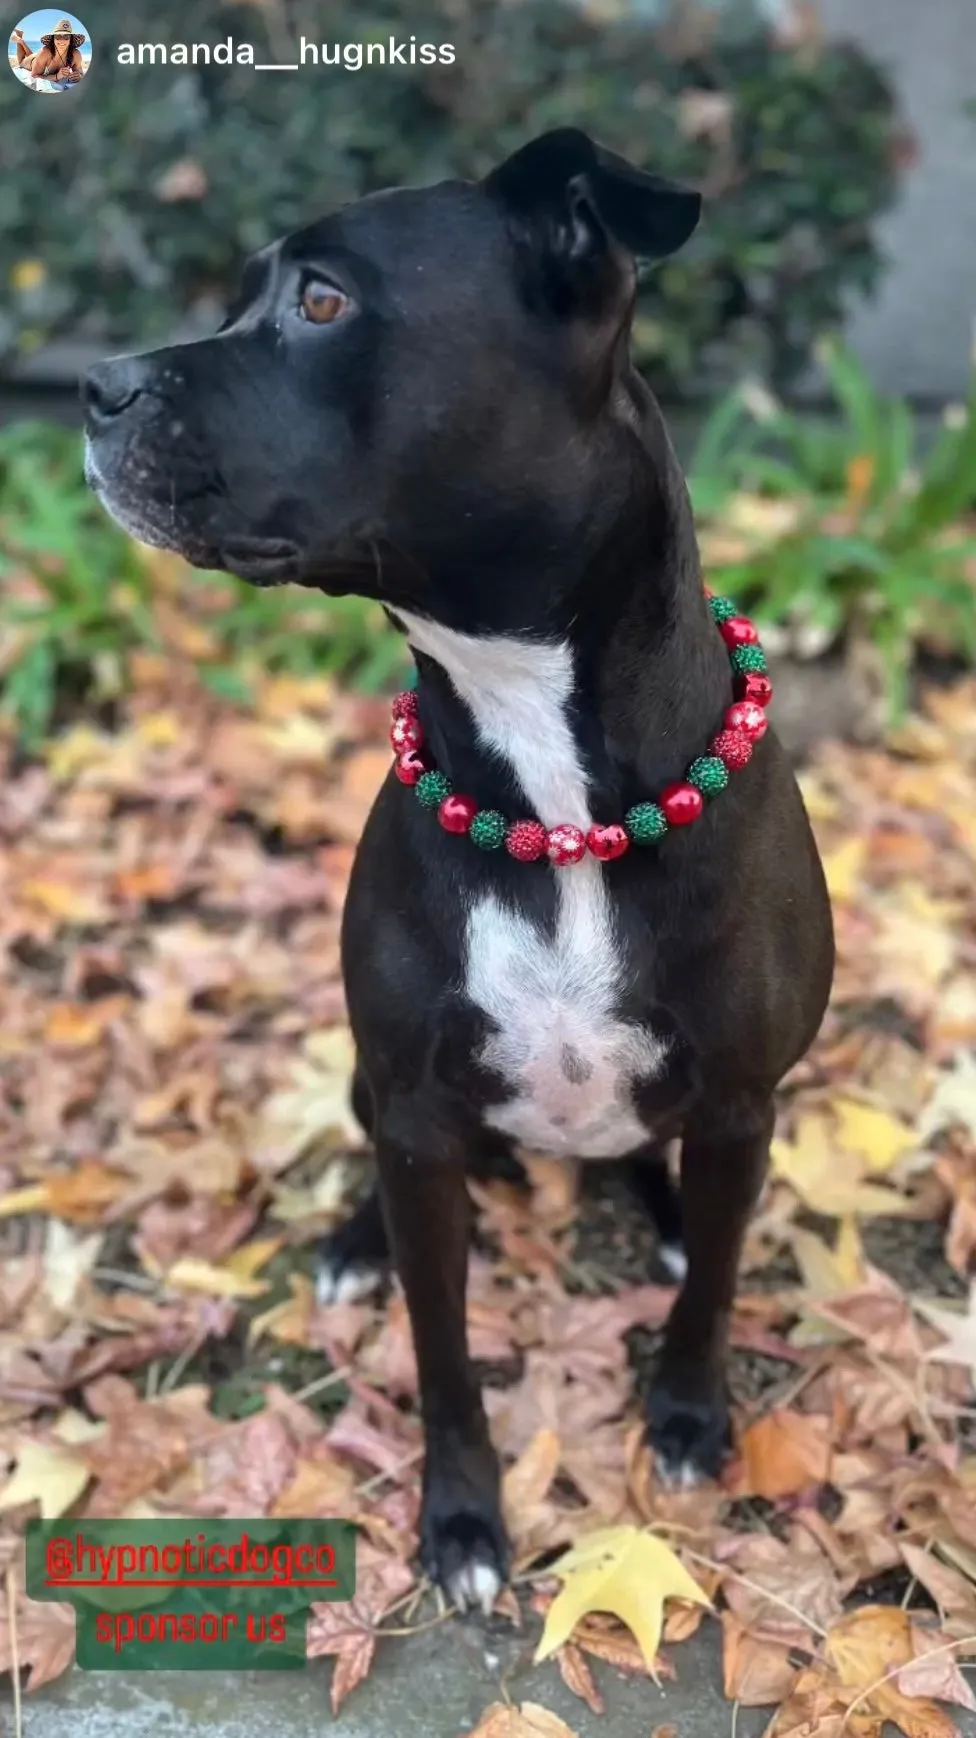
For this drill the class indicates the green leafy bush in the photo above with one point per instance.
(838, 524)
(132, 205)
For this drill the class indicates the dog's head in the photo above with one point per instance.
(413, 399)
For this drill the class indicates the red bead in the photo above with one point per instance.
(607, 842)
(406, 733)
(747, 716)
(754, 685)
(565, 844)
(456, 813)
(733, 748)
(405, 704)
(526, 840)
(739, 631)
(681, 803)
(410, 766)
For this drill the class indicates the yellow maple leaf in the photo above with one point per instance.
(873, 1133)
(192, 1273)
(826, 1184)
(622, 1570)
(52, 1477)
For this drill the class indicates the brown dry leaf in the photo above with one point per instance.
(576, 1675)
(348, 1631)
(782, 1454)
(935, 1673)
(867, 1650)
(86, 1193)
(45, 1639)
(502, 1720)
(756, 1672)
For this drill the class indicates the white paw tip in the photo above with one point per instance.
(345, 1284)
(674, 1260)
(475, 1584)
(682, 1475)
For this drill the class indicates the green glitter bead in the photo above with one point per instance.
(645, 823)
(722, 608)
(710, 774)
(432, 788)
(745, 659)
(488, 830)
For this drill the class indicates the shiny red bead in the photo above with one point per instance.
(739, 631)
(754, 685)
(607, 842)
(565, 844)
(681, 803)
(747, 716)
(526, 840)
(456, 813)
(733, 748)
(405, 704)
(410, 766)
(406, 733)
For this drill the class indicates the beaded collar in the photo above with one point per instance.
(646, 823)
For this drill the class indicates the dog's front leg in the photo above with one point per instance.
(427, 1208)
(724, 1155)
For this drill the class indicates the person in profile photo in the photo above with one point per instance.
(58, 59)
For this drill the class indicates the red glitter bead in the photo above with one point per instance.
(566, 844)
(754, 685)
(405, 704)
(456, 813)
(606, 843)
(739, 631)
(681, 803)
(733, 748)
(406, 733)
(526, 840)
(747, 716)
(410, 766)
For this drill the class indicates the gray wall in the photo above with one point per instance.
(916, 337)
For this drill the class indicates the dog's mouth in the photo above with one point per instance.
(260, 560)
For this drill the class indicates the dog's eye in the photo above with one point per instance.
(322, 302)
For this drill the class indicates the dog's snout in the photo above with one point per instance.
(111, 387)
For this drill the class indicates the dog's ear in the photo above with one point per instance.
(567, 199)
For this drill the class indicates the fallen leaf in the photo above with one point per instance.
(755, 1672)
(191, 1273)
(871, 1132)
(502, 1720)
(620, 1570)
(824, 1182)
(782, 1454)
(576, 1675)
(52, 1477)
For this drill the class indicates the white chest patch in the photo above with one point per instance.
(558, 1041)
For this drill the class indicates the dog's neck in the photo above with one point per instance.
(574, 725)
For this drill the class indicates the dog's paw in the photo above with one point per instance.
(337, 1281)
(673, 1260)
(690, 1438)
(463, 1544)
(352, 1262)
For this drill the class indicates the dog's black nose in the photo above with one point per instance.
(110, 387)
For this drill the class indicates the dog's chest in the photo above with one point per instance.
(568, 1061)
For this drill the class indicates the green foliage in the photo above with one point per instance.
(133, 205)
(77, 598)
(873, 540)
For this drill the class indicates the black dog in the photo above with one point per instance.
(428, 398)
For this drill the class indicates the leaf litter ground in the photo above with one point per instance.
(175, 1134)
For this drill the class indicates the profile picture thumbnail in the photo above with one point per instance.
(49, 52)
